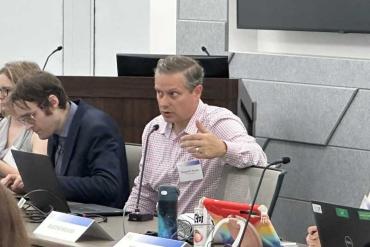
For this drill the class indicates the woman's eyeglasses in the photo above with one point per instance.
(4, 91)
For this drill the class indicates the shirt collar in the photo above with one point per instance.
(67, 124)
(165, 128)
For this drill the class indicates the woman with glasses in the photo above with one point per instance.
(13, 134)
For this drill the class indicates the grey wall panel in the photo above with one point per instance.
(354, 130)
(301, 101)
(246, 109)
(261, 141)
(210, 10)
(291, 219)
(302, 69)
(192, 35)
(337, 175)
(297, 112)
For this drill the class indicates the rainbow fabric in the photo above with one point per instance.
(266, 232)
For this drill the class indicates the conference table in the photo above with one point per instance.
(113, 226)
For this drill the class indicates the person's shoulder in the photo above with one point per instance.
(217, 118)
(215, 113)
(86, 107)
(87, 112)
(91, 118)
(212, 109)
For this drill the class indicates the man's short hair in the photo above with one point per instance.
(189, 67)
(37, 88)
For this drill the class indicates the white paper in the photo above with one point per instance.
(9, 159)
(365, 203)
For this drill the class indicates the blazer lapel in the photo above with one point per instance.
(52, 147)
(70, 142)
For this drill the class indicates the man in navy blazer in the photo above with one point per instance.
(83, 142)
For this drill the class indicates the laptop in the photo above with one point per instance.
(342, 226)
(39, 178)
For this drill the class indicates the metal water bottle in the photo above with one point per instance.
(167, 211)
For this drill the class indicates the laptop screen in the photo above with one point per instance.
(341, 226)
(38, 176)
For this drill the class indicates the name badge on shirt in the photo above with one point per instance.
(190, 170)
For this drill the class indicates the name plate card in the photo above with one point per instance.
(70, 228)
(139, 240)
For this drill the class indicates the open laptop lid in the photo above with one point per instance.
(37, 173)
(341, 226)
(38, 176)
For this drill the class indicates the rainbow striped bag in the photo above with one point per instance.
(230, 217)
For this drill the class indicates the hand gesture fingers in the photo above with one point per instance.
(14, 182)
(204, 144)
(201, 128)
(17, 184)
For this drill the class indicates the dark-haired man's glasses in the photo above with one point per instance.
(4, 91)
(27, 119)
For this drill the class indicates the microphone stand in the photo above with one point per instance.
(137, 216)
(284, 160)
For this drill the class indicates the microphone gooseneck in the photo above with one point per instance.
(47, 59)
(231, 56)
(284, 160)
(136, 215)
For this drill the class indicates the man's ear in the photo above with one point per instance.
(54, 101)
(198, 90)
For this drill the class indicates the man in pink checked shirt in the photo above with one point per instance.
(193, 142)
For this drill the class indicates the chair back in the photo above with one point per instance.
(133, 153)
(240, 184)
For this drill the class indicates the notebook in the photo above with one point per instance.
(38, 175)
(342, 226)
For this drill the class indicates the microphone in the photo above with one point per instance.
(137, 216)
(47, 59)
(204, 49)
(230, 57)
(284, 160)
(278, 163)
